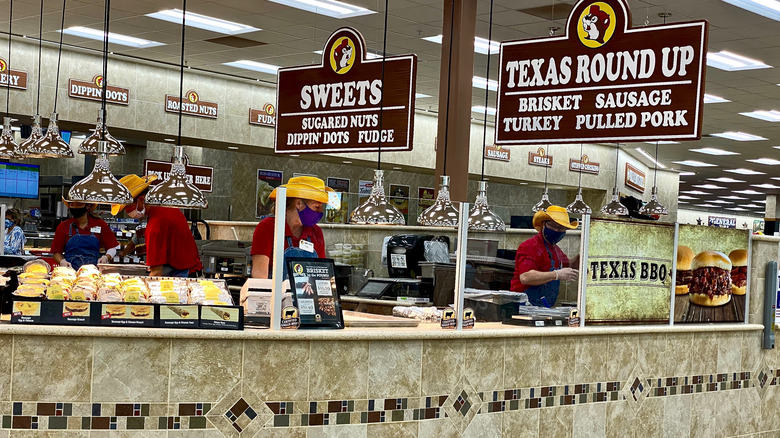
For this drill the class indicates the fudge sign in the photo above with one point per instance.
(345, 104)
(603, 81)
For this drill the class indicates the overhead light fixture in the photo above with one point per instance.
(760, 202)
(681, 202)
(713, 151)
(709, 187)
(654, 207)
(481, 45)
(233, 148)
(720, 201)
(615, 207)
(711, 98)
(125, 40)
(749, 192)
(724, 179)
(100, 186)
(735, 198)
(480, 82)
(254, 66)
(481, 216)
(329, 8)
(203, 22)
(765, 161)
(8, 145)
(767, 8)
(743, 171)
(736, 209)
(442, 213)
(754, 206)
(651, 158)
(730, 61)
(480, 109)
(687, 197)
(695, 192)
(694, 163)
(687, 173)
(376, 210)
(662, 142)
(769, 116)
(738, 136)
(708, 206)
(579, 206)
(421, 95)
(765, 186)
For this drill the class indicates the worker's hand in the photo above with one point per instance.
(567, 274)
(65, 264)
(102, 260)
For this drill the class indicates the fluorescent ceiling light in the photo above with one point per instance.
(695, 192)
(481, 45)
(736, 209)
(421, 95)
(682, 202)
(769, 116)
(726, 180)
(203, 22)
(743, 171)
(708, 206)
(94, 34)
(234, 148)
(749, 192)
(767, 8)
(765, 186)
(481, 109)
(720, 201)
(329, 8)
(687, 173)
(480, 82)
(651, 158)
(713, 151)
(662, 142)
(730, 61)
(766, 161)
(709, 187)
(254, 66)
(711, 98)
(694, 163)
(738, 136)
(754, 206)
(686, 197)
(760, 202)
(736, 198)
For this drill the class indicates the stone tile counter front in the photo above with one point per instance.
(492, 381)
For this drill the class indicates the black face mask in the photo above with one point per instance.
(78, 212)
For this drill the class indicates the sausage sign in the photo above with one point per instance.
(603, 81)
(348, 103)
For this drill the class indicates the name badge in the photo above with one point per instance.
(95, 230)
(306, 246)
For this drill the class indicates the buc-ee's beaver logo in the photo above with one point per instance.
(297, 268)
(269, 109)
(192, 96)
(3, 64)
(98, 81)
(596, 25)
(342, 55)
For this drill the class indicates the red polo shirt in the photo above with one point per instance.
(533, 256)
(263, 239)
(70, 227)
(169, 240)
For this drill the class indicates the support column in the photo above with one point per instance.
(457, 83)
(771, 215)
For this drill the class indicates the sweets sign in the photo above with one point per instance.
(336, 106)
(603, 81)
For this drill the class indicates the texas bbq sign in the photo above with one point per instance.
(336, 106)
(603, 80)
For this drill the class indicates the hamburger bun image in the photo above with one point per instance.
(684, 274)
(140, 311)
(116, 310)
(79, 308)
(739, 261)
(711, 284)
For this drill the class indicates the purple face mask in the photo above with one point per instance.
(309, 217)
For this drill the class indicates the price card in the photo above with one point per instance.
(171, 297)
(166, 285)
(132, 296)
(78, 296)
(323, 288)
(307, 306)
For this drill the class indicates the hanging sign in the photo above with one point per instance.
(12, 78)
(493, 152)
(584, 165)
(263, 117)
(201, 176)
(722, 221)
(336, 106)
(193, 106)
(540, 158)
(635, 178)
(93, 90)
(603, 80)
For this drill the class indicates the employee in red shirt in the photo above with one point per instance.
(306, 199)
(170, 247)
(78, 240)
(540, 265)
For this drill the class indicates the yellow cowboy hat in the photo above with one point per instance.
(559, 215)
(306, 187)
(136, 184)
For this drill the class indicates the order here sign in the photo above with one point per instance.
(603, 80)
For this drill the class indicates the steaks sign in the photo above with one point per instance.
(201, 176)
(603, 80)
(337, 106)
(93, 90)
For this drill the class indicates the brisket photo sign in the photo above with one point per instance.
(603, 80)
(348, 103)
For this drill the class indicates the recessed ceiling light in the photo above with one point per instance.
(736, 209)
(748, 192)
(329, 8)
(760, 202)
(480, 82)
(481, 109)
(686, 197)
(738, 136)
(744, 171)
(94, 34)
(713, 151)
(695, 192)
(687, 173)
(421, 95)
(203, 22)
(754, 206)
(708, 205)
(683, 202)
(170, 139)
(767, 8)
(726, 180)
(294, 155)
(765, 186)
(730, 61)
(347, 162)
(736, 198)
(769, 116)
(651, 158)
(767, 161)
(711, 98)
(720, 201)
(481, 45)
(254, 66)
(709, 187)
(397, 168)
(694, 163)
(233, 147)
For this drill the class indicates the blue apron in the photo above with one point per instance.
(546, 294)
(82, 249)
(292, 251)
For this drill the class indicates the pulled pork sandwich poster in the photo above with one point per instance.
(712, 274)
(629, 272)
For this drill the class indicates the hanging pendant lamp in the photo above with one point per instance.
(579, 206)
(654, 207)
(376, 210)
(176, 191)
(544, 203)
(52, 145)
(442, 213)
(615, 207)
(481, 216)
(100, 186)
(23, 150)
(8, 145)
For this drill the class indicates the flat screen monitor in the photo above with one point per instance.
(19, 180)
(65, 136)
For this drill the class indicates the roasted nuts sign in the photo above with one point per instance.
(201, 176)
(263, 117)
(93, 90)
(348, 103)
(192, 105)
(12, 78)
(540, 158)
(603, 80)
(584, 165)
(496, 153)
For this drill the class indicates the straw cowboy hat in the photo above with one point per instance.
(136, 184)
(306, 187)
(559, 215)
